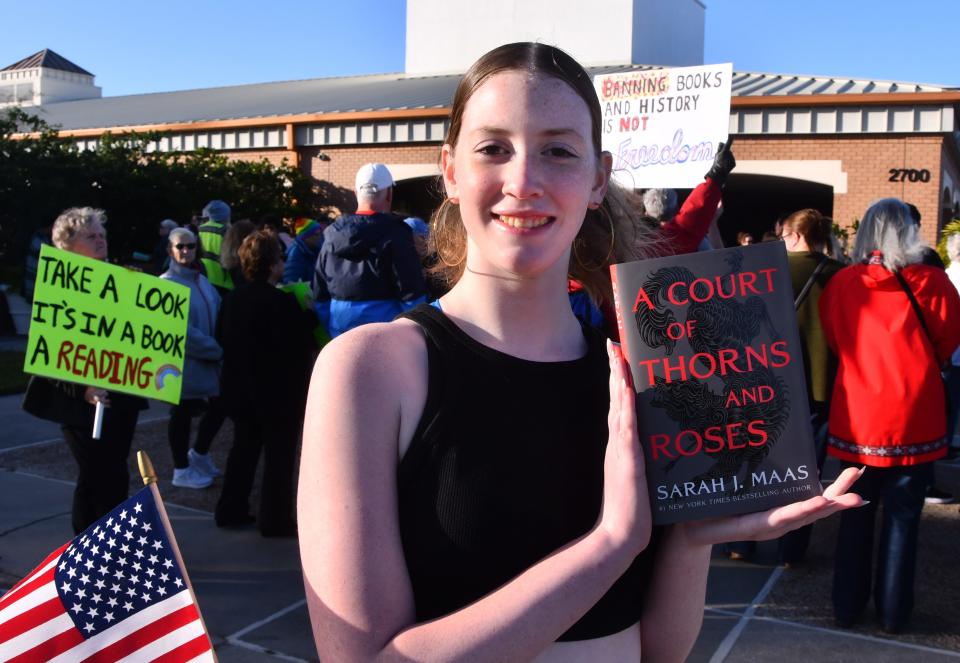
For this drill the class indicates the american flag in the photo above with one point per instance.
(115, 592)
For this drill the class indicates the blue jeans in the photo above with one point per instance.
(901, 491)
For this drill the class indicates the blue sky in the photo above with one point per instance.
(135, 46)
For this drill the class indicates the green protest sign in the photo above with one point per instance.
(301, 291)
(105, 326)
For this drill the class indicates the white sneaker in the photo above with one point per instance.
(203, 464)
(189, 477)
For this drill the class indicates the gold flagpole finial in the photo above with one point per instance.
(147, 472)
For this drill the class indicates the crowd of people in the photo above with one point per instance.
(470, 434)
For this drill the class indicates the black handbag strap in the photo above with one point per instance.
(919, 312)
(915, 305)
(809, 284)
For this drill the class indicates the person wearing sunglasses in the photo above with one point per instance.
(200, 393)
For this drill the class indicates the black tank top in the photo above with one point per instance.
(505, 467)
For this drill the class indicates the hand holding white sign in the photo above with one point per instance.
(662, 125)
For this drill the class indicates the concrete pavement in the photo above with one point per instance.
(251, 594)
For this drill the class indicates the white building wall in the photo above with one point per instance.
(40, 85)
(449, 35)
(668, 33)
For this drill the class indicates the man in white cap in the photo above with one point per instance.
(368, 269)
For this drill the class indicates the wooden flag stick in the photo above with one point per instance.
(150, 480)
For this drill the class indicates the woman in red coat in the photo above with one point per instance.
(887, 409)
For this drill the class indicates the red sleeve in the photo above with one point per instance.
(945, 306)
(826, 314)
(690, 226)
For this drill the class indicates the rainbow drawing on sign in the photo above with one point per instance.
(163, 372)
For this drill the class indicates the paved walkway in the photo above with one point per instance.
(251, 594)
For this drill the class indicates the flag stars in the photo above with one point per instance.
(112, 542)
(81, 593)
(132, 522)
(100, 584)
(77, 608)
(112, 602)
(128, 606)
(127, 535)
(150, 572)
(164, 577)
(156, 544)
(72, 572)
(123, 515)
(167, 563)
(147, 527)
(107, 556)
(88, 628)
(133, 579)
(138, 507)
(138, 554)
(142, 540)
(131, 592)
(136, 566)
(92, 612)
(124, 548)
(122, 561)
(161, 591)
(153, 559)
(148, 584)
(95, 550)
(109, 617)
(118, 574)
(65, 588)
(116, 528)
(178, 582)
(146, 597)
(84, 578)
(115, 587)
(96, 598)
(89, 564)
(103, 570)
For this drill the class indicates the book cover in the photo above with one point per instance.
(714, 353)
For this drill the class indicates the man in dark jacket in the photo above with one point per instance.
(368, 269)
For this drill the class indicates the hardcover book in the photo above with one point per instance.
(715, 358)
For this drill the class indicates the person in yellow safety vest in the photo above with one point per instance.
(216, 220)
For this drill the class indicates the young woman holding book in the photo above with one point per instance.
(472, 486)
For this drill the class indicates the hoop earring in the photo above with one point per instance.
(613, 239)
(440, 230)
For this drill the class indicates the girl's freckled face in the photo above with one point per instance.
(524, 170)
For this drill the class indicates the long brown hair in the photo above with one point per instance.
(608, 235)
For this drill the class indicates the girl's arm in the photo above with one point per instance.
(367, 394)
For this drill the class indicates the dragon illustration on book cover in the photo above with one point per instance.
(720, 324)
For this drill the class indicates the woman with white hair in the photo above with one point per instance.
(193, 468)
(891, 321)
(103, 476)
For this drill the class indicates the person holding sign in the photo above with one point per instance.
(200, 392)
(472, 485)
(102, 474)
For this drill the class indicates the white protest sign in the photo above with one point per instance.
(662, 126)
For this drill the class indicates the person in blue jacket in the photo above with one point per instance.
(368, 269)
(200, 392)
(303, 252)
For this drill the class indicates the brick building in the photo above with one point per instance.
(801, 141)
